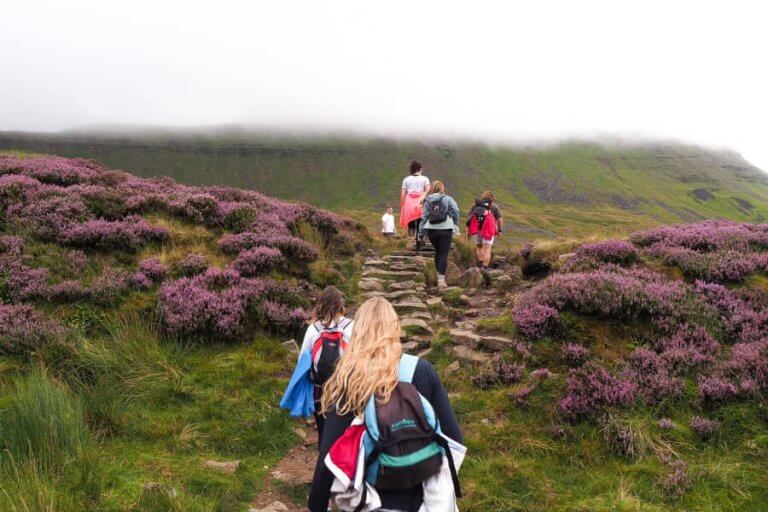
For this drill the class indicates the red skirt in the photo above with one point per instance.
(410, 210)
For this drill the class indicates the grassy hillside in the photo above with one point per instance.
(567, 190)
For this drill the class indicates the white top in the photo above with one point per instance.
(416, 183)
(312, 334)
(387, 223)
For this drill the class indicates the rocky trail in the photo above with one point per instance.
(424, 310)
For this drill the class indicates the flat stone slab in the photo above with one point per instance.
(225, 467)
(467, 338)
(424, 315)
(399, 294)
(465, 353)
(411, 347)
(412, 267)
(434, 301)
(416, 326)
(370, 285)
(371, 295)
(496, 342)
(412, 305)
(467, 325)
(375, 263)
(390, 274)
(402, 285)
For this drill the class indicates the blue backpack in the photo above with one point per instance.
(402, 442)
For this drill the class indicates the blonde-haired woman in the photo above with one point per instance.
(368, 368)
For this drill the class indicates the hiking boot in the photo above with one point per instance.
(441, 283)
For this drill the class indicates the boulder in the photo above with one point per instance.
(466, 354)
(225, 467)
(452, 273)
(370, 285)
(463, 337)
(471, 313)
(471, 278)
(451, 368)
(411, 347)
(504, 283)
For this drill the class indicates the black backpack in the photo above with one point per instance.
(326, 351)
(437, 210)
(407, 448)
(479, 212)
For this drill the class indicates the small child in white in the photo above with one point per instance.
(388, 223)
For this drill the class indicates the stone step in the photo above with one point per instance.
(374, 262)
(370, 285)
(409, 267)
(391, 274)
(434, 301)
(469, 355)
(399, 294)
(466, 337)
(424, 315)
(496, 343)
(405, 258)
(416, 326)
(402, 285)
(370, 295)
(410, 305)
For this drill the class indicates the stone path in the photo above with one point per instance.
(423, 310)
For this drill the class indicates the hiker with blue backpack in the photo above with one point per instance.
(391, 440)
(440, 221)
(325, 340)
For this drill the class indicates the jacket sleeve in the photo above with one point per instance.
(320, 492)
(308, 339)
(424, 217)
(453, 210)
(428, 383)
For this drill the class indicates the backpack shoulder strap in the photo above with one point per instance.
(407, 368)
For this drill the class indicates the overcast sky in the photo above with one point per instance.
(690, 70)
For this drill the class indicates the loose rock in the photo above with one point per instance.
(225, 467)
(465, 353)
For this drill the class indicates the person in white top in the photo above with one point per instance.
(388, 223)
(328, 321)
(412, 194)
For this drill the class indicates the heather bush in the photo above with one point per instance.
(290, 245)
(609, 251)
(109, 288)
(591, 390)
(77, 261)
(542, 374)
(24, 329)
(53, 170)
(520, 395)
(498, 372)
(534, 320)
(704, 428)
(677, 482)
(258, 260)
(192, 265)
(25, 284)
(716, 389)
(68, 291)
(651, 376)
(127, 235)
(666, 424)
(46, 218)
(575, 354)
(708, 235)
(219, 302)
(154, 269)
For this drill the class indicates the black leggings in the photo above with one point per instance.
(413, 227)
(441, 241)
